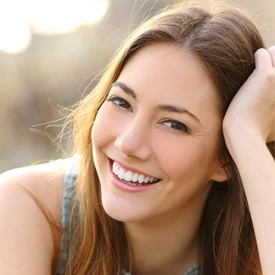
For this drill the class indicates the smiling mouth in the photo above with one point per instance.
(131, 177)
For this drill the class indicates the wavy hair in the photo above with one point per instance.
(225, 40)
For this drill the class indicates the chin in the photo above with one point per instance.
(117, 210)
(121, 210)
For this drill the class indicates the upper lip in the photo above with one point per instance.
(126, 167)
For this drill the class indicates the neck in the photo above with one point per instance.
(164, 248)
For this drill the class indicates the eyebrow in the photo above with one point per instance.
(125, 88)
(164, 107)
(179, 110)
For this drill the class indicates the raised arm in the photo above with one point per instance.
(248, 125)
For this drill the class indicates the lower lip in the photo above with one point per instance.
(122, 185)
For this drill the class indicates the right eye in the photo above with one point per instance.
(120, 102)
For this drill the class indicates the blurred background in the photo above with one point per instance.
(49, 53)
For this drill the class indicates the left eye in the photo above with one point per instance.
(119, 101)
(176, 125)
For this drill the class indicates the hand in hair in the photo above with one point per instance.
(248, 124)
(252, 111)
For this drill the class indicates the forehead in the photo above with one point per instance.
(172, 73)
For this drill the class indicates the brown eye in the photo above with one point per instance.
(176, 125)
(119, 101)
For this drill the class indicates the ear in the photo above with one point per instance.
(222, 172)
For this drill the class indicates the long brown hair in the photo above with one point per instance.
(225, 40)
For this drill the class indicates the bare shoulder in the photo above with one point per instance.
(27, 242)
(43, 181)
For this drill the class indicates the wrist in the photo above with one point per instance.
(242, 139)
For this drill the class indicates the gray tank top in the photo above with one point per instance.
(68, 194)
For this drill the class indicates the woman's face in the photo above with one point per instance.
(156, 137)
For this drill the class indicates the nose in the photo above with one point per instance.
(133, 140)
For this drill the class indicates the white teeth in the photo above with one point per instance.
(116, 169)
(121, 174)
(140, 178)
(130, 176)
(135, 177)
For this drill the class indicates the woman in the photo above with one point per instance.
(174, 175)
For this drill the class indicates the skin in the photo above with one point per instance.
(141, 137)
(25, 237)
(27, 244)
(248, 124)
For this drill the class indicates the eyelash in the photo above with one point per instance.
(174, 124)
(177, 126)
(120, 102)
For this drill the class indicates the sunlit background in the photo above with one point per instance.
(20, 19)
(49, 53)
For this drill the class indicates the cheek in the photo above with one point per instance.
(101, 130)
(188, 158)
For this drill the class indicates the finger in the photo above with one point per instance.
(263, 59)
(272, 54)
